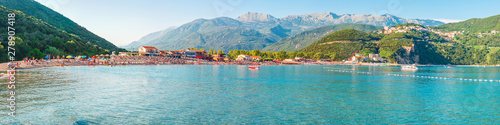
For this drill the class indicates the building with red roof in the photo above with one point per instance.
(148, 51)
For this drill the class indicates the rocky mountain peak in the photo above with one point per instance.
(255, 17)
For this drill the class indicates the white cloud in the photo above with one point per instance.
(448, 20)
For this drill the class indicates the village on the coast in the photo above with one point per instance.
(148, 55)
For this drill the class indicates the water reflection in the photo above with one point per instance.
(270, 95)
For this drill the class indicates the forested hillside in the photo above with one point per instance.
(306, 38)
(36, 38)
(404, 48)
(39, 11)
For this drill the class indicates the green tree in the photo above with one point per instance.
(220, 52)
(3, 54)
(255, 52)
(309, 55)
(70, 47)
(52, 51)
(281, 55)
(230, 54)
(57, 42)
(300, 54)
(36, 53)
(318, 56)
(333, 56)
(236, 52)
(270, 55)
(292, 55)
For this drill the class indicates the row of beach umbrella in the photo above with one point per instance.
(79, 57)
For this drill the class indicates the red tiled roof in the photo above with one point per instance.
(148, 47)
(177, 51)
(254, 56)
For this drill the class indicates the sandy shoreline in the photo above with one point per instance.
(116, 61)
(73, 62)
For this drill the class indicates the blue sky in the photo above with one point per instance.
(124, 21)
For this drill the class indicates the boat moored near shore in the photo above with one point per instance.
(409, 67)
(253, 67)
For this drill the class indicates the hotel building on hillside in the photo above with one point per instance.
(148, 51)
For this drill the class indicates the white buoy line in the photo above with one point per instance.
(414, 76)
(351, 71)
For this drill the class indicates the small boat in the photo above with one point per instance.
(409, 67)
(255, 64)
(253, 67)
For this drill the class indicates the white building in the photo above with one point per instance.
(148, 51)
(243, 57)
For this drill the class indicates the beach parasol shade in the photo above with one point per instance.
(107, 54)
(69, 57)
(84, 56)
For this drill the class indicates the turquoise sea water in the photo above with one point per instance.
(206, 94)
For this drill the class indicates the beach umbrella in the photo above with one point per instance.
(107, 54)
(89, 59)
(47, 57)
(84, 56)
(69, 57)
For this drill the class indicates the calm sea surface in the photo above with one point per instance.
(196, 94)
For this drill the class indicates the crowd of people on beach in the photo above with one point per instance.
(126, 60)
(114, 60)
(158, 60)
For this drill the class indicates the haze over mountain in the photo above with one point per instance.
(257, 30)
(149, 37)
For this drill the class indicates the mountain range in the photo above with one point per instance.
(257, 30)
